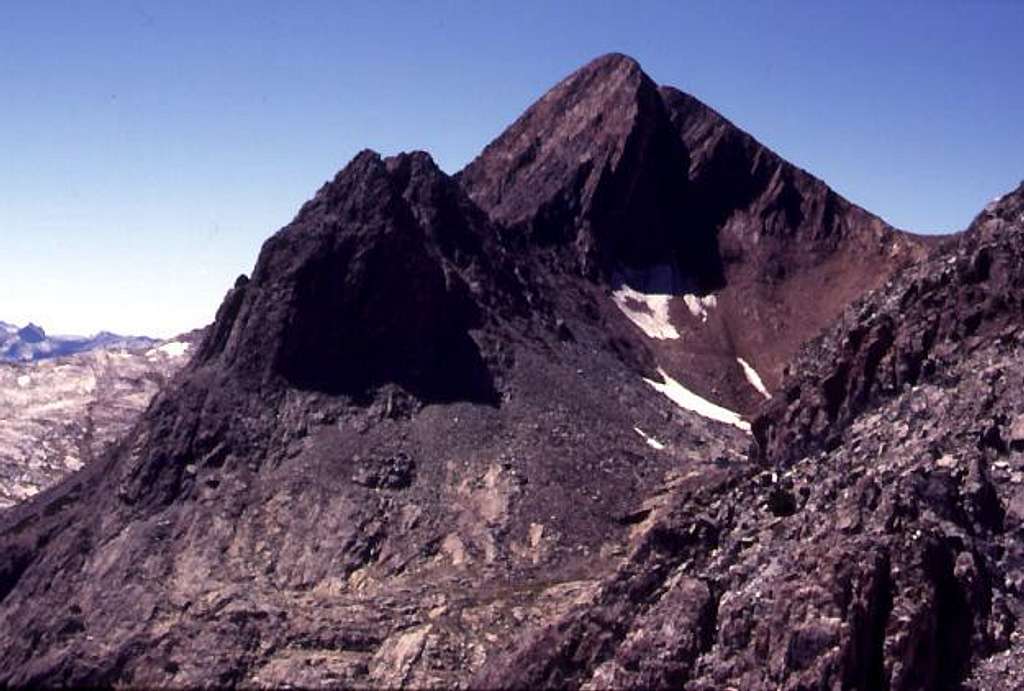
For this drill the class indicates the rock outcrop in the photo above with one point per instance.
(372, 282)
(924, 321)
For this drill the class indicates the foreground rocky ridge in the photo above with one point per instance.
(417, 447)
(876, 541)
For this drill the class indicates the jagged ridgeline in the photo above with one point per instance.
(492, 430)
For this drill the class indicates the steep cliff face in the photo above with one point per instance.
(370, 283)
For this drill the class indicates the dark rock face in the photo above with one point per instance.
(367, 285)
(595, 165)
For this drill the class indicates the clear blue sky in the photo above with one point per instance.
(148, 148)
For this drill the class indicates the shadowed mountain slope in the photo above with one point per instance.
(692, 223)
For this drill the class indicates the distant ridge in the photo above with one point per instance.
(31, 343)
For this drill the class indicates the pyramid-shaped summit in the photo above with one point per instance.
(594, 164)
(369, 284)
(652, 193)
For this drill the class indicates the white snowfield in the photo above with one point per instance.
(687, 400)
(753, 377)
(651, 441)
(645, 296)
(649, 311)
(699, 305)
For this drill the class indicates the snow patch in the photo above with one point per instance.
(651, 441)
(649, 311)
(753, 377)
(699, 305)
(686, 399)
(644, 296)
(991, 206)
(171, 349)
(24, 380)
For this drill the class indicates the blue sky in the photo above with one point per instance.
(148, 148)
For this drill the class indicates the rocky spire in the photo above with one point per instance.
(594, 165)
(366, 285)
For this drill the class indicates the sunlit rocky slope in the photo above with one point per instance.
(60, 413)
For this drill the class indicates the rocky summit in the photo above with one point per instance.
(711, 242)
(629, 402)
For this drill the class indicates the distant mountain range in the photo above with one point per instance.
(58, 414)
(31, 342)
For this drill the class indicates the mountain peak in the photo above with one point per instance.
(362, 287)
(608, 64)
(433, 390)
(32, 333)
(594, 166)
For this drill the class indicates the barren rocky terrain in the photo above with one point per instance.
(59, 414)
(630, 402)
(871, 540)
